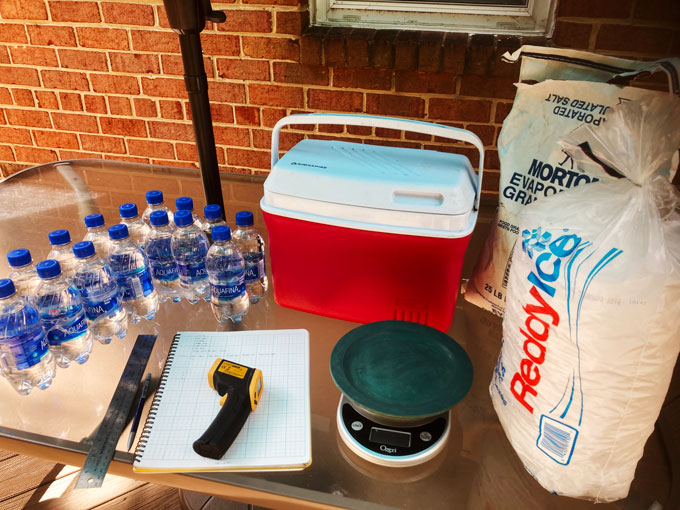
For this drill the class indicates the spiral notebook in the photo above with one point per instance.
(276, 435)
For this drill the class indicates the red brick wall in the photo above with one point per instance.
(85, 79)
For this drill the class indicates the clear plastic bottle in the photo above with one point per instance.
(187, 204)
(226, 270)
(23, 272)
(154, 200)
(101, 296)
(190, 247)
(213, 218)
(131, 267)
(137, 229)
(163, 265)
(25, 358)
(62, 251)
(62, 315)
(251, 244)
(96, 232)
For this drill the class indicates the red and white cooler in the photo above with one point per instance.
(365, 232)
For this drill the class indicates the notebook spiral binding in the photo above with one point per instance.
(151, 418)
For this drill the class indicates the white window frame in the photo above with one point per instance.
(536, 18)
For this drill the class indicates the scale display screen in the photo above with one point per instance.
(390, 437)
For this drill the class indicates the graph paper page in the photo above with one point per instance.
(276, 435)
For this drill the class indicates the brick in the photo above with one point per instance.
(357, 53)
(430, 51)
(249, 158)
(502, 111)
(334, 50)
(246, 21)
(288, 72)
(635, 39)
(270, 116)
(506, 43)
(388, 104)
(114, 84)
(82, 59)
(15, 135)
(46, 35)
(335, 100)
(35, 155)
(31, 118)
(220, 44)
(151, 148)
(262, 139)
(23, 97)
(271, 48)
(171, 109)
(481, 55)
(64, 80)
(55, 139)
(271, 2)
(103, 38)
(5, 98)
(459, 109)
(129, 159)
(487, 86)
(222, 113)
(310, 51)
(247, 115)
(388, 133)
(454, 50)
(291, 22)
(74, 122)
(95, 104)
(171, 131)
(4, 55)
(6, 153)
(71, 101)
(13, 34)
(241, 69)
(186, 152)
(232, 136)
(99, 143)
(127, 14)
(145, 107)
(275, 95)
(161, 42)
(12, 75)
(360, 130)
(382, 49)
(172, 64)
(572, 35)
(227, 92)
(46, 100)
(417, 136)
(429, 83)
(168, 162)
(485, 132)
(373, 79)
(34, 56)
(164, 87)
(123, 127)
(406, 50)
(119, 105)
(79, 12)
(139, 63)
(65, 155)
(23, 9)
(595, 9)
(162, 17)
(658, 10)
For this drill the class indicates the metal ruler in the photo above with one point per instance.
(105, 440)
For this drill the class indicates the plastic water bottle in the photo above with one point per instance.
(96, 232)
(213, 218)
(187, 204)
(158, 248)
(190, 247)
(251, 244)
(154, 200)
(62, 251)
(226, 270)
(62, 315)
(25, 358)
(137, 229)
(131, 267)
(101, 296)
(23, 272)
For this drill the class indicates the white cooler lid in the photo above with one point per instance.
(381, 188)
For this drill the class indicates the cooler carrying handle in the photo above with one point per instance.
(414, 126)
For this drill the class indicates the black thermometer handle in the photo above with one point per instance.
(221, 433)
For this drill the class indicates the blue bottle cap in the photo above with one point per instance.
(48, 268)
(154, 197)
(6, 288)
(244, 218)
(18, 258)
(119, 231)
(83, 249)
(212, 212)
(128, 210)
(159, 218)
(221, 233)
(183, 218)
(184, 204)
(57, 237)
(94, 220)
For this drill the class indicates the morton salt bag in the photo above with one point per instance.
(591, 330)
(560, 90)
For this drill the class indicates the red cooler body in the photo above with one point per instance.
(366, 233)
